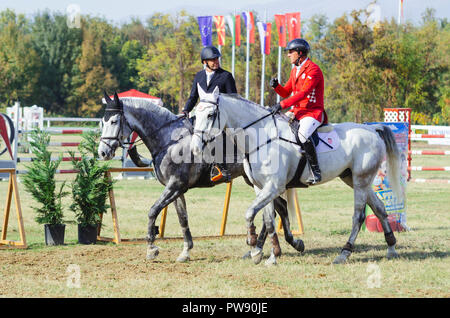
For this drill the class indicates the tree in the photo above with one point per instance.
(167, 68)
(19, 62)
(58, 47)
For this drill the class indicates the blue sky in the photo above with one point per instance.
(122, 10)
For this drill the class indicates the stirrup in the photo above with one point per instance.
(315, 178)
(219, 175)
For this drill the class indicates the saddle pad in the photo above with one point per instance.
(331, 138)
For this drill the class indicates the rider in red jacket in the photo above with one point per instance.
(303, 94)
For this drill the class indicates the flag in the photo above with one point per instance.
(248, 16)
(293, 25)
(220, 27)
(280, 20)
(205, 27)
(237, 24)
(231, 27)
(264, 30)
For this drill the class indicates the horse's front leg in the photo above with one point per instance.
(180, 206)
(169, 194)
(263, 198)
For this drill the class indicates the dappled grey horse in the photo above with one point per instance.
(273, 156)
(168, 137)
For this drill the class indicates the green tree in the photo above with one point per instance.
(19, 62)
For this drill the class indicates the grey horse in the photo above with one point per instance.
(168, 137)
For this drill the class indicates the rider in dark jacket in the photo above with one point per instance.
(208, 78)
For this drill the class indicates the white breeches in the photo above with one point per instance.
(307, 127)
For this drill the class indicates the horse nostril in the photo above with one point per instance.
(103, 154)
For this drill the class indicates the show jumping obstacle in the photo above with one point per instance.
(404, 115)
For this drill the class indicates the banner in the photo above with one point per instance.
(220, 27)
(293, 25)
(248, 16)
(205, 27)
(280, 20)
(264, 30)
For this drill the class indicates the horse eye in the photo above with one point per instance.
(113, 122)
(210, 115)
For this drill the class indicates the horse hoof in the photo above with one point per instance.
(152, 252)
(271, 261)
(392, 254)
(300, 246)
(183, 259)
(247, 255)
(340, 260)
(257, 255)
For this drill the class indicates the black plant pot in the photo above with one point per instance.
(87, 234)
(54, 234)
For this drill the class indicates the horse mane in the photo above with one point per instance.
(153, 110)
(238, 97)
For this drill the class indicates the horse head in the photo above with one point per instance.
(208, 119)
(115, 128)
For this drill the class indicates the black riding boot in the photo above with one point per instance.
(219, 172)
(311, 156)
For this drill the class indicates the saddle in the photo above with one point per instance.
(315, 139)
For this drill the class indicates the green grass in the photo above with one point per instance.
(216, 268)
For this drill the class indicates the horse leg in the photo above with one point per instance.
(378, 208)
(263, 198)
(259, 242)
(168, 196)
(269, 222)
(180, 207)
(281, 208)
(360, 198)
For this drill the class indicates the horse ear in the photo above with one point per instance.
(107, 98)
(201, 92)
(216, 92)
(116, 97)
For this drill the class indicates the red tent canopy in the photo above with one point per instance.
(137, 94)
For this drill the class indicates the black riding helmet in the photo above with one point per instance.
(298, 45)
(209, 53)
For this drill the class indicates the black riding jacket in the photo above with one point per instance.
(221, 78)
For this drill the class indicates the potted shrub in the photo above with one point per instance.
(89, 189)
(41, 184)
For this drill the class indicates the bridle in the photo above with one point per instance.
(215, 116)
(119, 132)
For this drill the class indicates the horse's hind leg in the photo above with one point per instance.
(360, 198)
(281, 208)
(180, 206)
(378, 208)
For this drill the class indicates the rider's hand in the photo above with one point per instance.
(274, 82)
(275, 109)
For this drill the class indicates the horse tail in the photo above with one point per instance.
(393, 159)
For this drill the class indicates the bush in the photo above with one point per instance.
(90, 187)
(40, 180)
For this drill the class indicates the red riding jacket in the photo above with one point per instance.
(307, 89)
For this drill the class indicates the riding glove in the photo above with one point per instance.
(275, 109)
(274, 82)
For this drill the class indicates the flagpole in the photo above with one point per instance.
(399, 12)
(263, 61)
(248, 57)
(279, 71)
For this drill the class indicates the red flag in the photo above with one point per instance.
(237, 25)
(250, 24)
(268, 38)
(293, 25)
(220, 27)
(280, 20)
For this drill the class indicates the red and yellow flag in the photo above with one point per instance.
(219, 20)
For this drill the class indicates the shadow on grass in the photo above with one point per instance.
(404, 253)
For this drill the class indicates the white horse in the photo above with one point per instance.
(273, 156)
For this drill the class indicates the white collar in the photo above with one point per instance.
(300, 66)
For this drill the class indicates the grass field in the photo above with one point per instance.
(216, 268)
